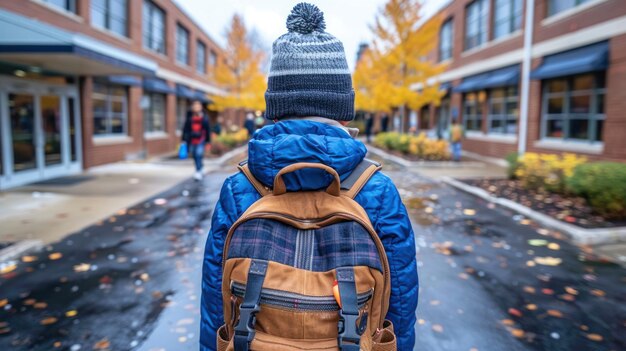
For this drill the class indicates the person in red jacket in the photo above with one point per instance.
(197, 134)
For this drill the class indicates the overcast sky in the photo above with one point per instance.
(348, 20)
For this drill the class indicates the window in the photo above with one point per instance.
(573, 107)
(154, 113)
(201, 58)
(507, 17)
(67, 5)
(182, 45)
(503, 110)
(111, 15)
(445, 41)
(556, 6)
(212, 59)
(476, 24)
(182, 106)
(110, 110)
(153, 27)
(424, 118)
(473, 111)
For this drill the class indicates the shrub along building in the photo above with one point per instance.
(88, 82)
(539, 76)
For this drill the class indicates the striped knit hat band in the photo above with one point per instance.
(309, 74)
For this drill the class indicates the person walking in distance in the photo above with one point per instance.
(456, 136)
(197, 135)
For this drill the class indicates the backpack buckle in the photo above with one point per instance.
(350, 328)
(247, 320)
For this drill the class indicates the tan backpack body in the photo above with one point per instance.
(306, 271)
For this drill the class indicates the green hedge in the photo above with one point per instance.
(603, 184)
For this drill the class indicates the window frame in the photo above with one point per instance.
(150, 112)
(449, 25)
(70, 5)
(504, 117)
(201, 62)
(108, 18)
(149, 38)
(566, 115)
(109, 99)
(182, 54)
(212, 58)
(478, 114)
(511, 19)
(483, 12)
(550, 6)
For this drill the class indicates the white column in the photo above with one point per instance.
(526, 67)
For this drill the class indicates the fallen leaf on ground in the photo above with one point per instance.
(83, 267)
(571, 290)
(595, 337)
(508, 322)
(4, 302)
(515, 312)
(598, 293)
(518, 333)
(55, 256)
(71, 313)
(529, 289)
(102, 345)
(548, 261)
(29, 258)
(555, 313)
(438, 328)
(48, 321)
(531, 307)
(469, 212)
(537, 242)
(7, 268)
(40, 305)
(554, 246)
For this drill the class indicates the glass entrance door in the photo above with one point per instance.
(39, 132)
(22, 122)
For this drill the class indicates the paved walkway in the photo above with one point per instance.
(490, 280)
(49, 211)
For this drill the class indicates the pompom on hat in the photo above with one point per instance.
(309, 74)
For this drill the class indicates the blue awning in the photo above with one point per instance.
(124, 80)
(184, 91)
(157, 85)
(27, 41)
(589, 58)
(493, 79)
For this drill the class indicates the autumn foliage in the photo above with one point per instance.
(395, 73)
(239, 73)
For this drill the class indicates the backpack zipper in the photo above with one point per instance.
(298, 302)
(305, 244)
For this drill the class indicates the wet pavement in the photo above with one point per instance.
(490, 280)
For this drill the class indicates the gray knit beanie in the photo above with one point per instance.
(309, 74)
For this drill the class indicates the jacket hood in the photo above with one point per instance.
(284, 143)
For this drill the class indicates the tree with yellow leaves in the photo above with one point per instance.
(239, 72)
(394, 72)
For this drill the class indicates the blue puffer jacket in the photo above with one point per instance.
(287, 142)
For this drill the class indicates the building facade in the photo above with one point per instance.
(88, 82)
(543, 76)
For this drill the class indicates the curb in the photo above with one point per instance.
(20, 248)
(422, 164)
(577, 234)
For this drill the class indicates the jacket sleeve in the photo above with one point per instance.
(186, 129)
(224, 216)
(394, 228)
(207, 130)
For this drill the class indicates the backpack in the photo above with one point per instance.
(306, 270)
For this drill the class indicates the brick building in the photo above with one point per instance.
(554, 84)
(88, 82)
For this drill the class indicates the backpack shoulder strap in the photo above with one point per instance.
(262, 189)
(352, 185)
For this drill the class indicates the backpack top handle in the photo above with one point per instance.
(333, 189)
